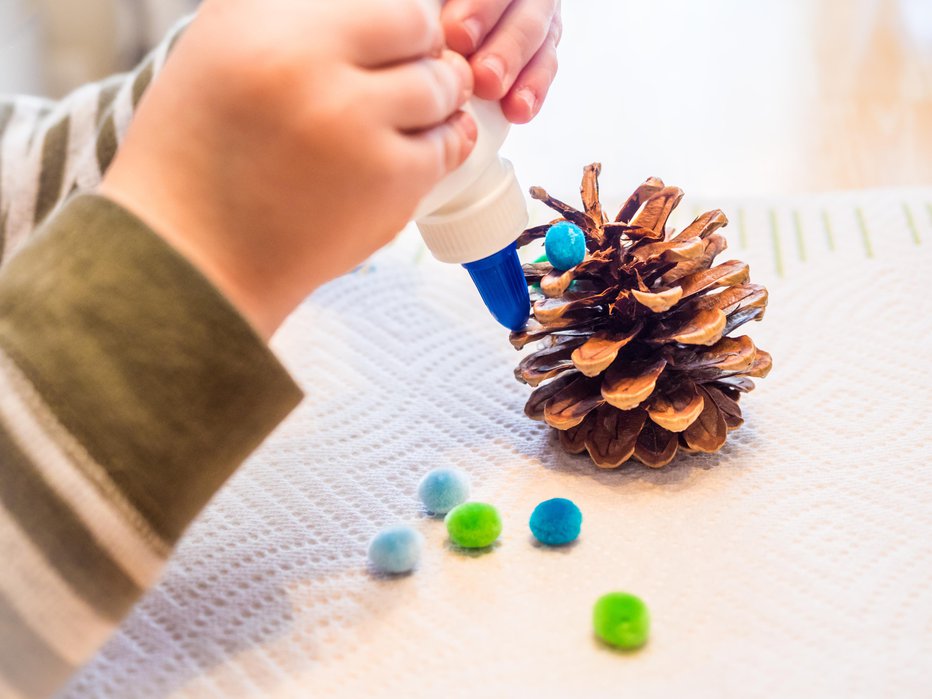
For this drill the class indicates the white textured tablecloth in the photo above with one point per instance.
(795, 563)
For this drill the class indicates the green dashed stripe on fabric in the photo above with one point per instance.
(911, 223)
(829, 235)
(60, 535)
(777, 246)
(865, 233)
(27, 664)
(800, 238)
(742, 231)
(52, 172)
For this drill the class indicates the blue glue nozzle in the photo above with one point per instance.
(502, 286)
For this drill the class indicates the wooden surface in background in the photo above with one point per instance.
(737, 98)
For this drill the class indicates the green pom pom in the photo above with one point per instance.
(621, 620)
(473, 525)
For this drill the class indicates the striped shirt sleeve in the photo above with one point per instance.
(50, 151)
(130, 389)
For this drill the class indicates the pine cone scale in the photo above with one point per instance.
(714, 245)
(654, 212)
(597, 353)
(726, 274)
(704, 225)
(628, 384)
(613, 436)
(678, 408)
(572, 404)
(659, 301)
(731, 413)
(589, 192)
(707, 432)
(656, 446)
(644, 192)
(704, 328)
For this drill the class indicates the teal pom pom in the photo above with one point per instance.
(443, 489)
(556, 522)
(396, 549)
(565, 245)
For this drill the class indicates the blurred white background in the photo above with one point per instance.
(50, 46)
(737, 98)
(722, 97)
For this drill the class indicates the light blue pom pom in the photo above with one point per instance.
(396, 549)
(443, 489)
(556, 522)
(565, 245)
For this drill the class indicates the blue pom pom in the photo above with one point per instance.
(396, 549)
(565, 245)
(556, 522)
(443, 489)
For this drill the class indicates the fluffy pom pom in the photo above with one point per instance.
(565, 244)
(396, 549)
(443, 489)
(473, 525)
(621, 620)
(556, 522)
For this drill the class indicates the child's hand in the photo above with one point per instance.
(512, 45)
(287, 140)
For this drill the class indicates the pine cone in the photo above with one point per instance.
(635, 350)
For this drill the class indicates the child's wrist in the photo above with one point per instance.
(255, 306)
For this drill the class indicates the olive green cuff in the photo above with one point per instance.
(143, 360)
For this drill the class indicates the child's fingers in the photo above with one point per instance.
(384, 32)
(466, 23)
(443, 148)
(524, 100)
(511, 45)
(420, 94)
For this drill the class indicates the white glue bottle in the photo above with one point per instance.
(474, 216)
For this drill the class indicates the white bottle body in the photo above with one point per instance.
(479, 208)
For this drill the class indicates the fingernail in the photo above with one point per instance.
(528, 96)
(473, 28)
(496, 66)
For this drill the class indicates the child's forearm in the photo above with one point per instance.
(51, 150)
(130, 390)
